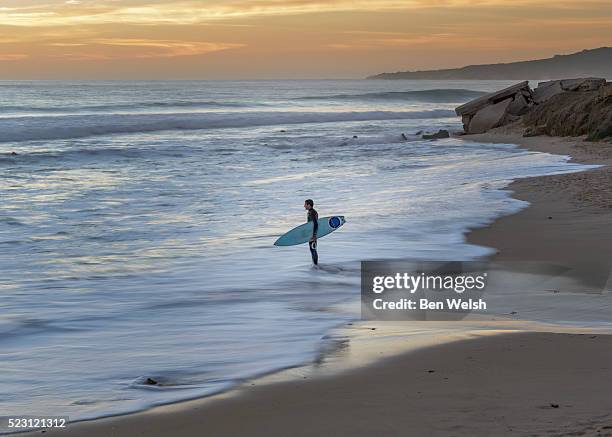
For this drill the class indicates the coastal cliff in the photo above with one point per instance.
(594, 62)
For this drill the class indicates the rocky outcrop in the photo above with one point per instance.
(568, 107)
(535, 131)
(442, 133)
(520, 105)
(574, 113)
(495, 109)
(546, 90)
(489, 117)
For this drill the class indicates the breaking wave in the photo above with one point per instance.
(194, 104)
(432, 96)
(15, 129)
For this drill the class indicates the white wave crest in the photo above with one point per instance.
(16, 129)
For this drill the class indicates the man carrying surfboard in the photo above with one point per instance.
(312, 216)
(311, 231)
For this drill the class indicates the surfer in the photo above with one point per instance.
(312, 216)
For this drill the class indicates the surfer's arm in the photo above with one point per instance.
(315, 227)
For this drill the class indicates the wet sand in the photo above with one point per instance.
(510, 384)
(535, 383)
(569, 219)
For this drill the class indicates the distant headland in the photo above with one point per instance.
(587, 63)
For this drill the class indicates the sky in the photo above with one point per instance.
(267, 39)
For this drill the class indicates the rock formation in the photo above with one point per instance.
(495, 109)
(568, 107)
(442, 133)
(546, 90)
(574, 113)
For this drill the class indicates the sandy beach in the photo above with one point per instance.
(568, 219)
(514, 383)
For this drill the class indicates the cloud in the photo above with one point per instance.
(126, 48)
(166, 48)
(66, 44)
(12, 56)
(77, 12)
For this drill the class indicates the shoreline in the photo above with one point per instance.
(449, 389)
(566, 222)
(265, 405)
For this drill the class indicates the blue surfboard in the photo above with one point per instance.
(303, 233)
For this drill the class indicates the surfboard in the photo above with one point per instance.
(303, 233)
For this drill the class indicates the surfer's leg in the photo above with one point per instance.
(313, 252)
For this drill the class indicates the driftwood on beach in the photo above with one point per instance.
(567, 107)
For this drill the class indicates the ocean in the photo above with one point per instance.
(137, 224)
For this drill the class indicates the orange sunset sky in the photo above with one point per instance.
(235, 39)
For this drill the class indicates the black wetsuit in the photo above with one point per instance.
(313, 216)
